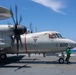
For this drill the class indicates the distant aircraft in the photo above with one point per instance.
(14, 40)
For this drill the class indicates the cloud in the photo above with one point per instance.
(55, 5)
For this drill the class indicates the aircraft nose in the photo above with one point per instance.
(71, 43)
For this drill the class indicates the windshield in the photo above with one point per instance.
(55, 35)
(59, 35)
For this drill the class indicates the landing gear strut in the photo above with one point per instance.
(3, 56)
(61, 59)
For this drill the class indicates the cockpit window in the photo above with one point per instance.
(52, 36)
(58, 35)
(55, 35)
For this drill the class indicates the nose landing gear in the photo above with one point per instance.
(61, 58)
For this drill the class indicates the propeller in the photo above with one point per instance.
(31, 28)
(18, 29)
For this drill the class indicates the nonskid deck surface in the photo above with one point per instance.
(36, 65)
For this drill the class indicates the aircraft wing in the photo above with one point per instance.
(4, 13)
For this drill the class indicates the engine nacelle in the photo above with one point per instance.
(6, 30)
(20, 29)
(9, 30)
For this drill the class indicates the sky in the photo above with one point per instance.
(45, 15)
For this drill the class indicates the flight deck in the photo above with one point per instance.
(36, 65)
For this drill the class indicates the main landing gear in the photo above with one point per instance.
(3, 56)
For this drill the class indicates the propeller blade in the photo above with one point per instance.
(20, 41)
(12, 15)
(31, 28)
(15, 32)
(17, 39)
(20, 20)
(16, 15)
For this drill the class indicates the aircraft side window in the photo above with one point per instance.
(52, 36)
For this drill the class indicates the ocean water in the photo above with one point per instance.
(74, 50)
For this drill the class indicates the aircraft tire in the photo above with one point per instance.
(3, 56)
(61, 60)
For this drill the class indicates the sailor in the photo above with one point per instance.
(68, 52)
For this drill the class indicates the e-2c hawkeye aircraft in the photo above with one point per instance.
(14, 40)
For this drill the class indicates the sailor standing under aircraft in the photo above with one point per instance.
(68, 52)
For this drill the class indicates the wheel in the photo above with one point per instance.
(3, 56)
(61, 60)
